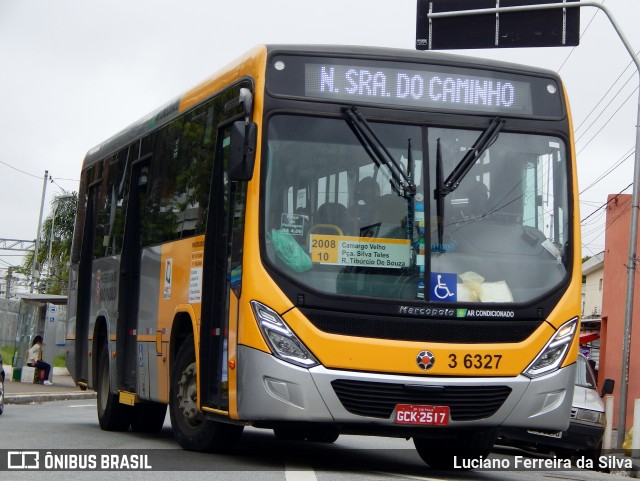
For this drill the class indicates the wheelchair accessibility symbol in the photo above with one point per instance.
(444, 287)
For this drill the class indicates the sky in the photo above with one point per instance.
(76, 72)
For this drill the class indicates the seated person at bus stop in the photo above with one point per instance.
(34, 359)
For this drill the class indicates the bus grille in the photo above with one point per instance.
(487, 331)
(378, 400)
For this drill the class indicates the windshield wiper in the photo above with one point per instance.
(401, 181)
(443, 188)
(482, 143)
(439, 198)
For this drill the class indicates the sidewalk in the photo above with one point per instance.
(63, 388)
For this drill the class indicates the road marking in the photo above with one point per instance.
(407, 476)
(299, 473)
(82, 406)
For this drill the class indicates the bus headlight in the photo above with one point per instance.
(283, 342)
(554, 352)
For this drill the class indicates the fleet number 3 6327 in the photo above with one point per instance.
(475, 361)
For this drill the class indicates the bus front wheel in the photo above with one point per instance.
(112, 415)
(191, 428)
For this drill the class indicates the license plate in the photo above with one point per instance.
(423, 415)
(551, 434)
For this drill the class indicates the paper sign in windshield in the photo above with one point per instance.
(360, 251)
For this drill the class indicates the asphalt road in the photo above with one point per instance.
(68, 432)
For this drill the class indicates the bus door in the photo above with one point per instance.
(222, 273)
(129, 285)
(83, 307)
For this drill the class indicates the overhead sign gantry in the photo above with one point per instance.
(504, 29)
(17, 245)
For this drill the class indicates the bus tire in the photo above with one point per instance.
(316, 434)
(323, 435)
(112, 415)
(148, 417)
(290, 434)
(192, 430)
(439, 453)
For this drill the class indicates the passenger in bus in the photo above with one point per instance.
(34, 359)
(366, 194)
(471, 199)
(478, 197)
(331, 218)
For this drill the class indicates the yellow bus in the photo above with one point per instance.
(321, 240)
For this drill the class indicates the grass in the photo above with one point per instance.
(7, 357)
(7, 354)
(59, 361)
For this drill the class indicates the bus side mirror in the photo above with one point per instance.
(243, 150)
(607, 387)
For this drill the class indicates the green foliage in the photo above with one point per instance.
(7, 357)
(55, 238)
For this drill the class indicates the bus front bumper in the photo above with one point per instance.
(272, 390)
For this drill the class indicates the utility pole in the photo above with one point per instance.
(35, 252)
(7, 294)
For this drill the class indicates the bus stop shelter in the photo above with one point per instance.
(44, 315)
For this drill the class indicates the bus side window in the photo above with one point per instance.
(118, 189)
(180, 183)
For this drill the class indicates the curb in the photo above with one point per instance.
(55, 371)
(633, 472)
(38, 398)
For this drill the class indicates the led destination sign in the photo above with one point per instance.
(449, 89)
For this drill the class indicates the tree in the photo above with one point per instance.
(55, 250)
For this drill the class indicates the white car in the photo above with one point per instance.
(586, 429)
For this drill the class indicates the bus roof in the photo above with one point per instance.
(419, 56)
(254, 61)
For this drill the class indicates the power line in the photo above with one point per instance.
(592, 222)
(609, 223)
(607, 122)
(21, 171)
(51, 179)
(68, 180)
(590, 203)
(607, 93)
(605, 108)
(607, 172)
(605, 204)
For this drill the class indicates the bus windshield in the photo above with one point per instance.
(335, 223)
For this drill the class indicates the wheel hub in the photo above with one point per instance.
(187, 394)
